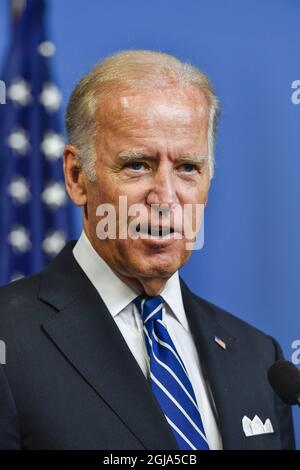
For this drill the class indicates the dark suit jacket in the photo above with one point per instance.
(71, 382)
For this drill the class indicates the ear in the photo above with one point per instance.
(74, 178)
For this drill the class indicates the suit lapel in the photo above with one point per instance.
(87, 335)
(220, 366)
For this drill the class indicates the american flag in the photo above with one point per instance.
(35, 213)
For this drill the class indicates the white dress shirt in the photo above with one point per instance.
(130, 323)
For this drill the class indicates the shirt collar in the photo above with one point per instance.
(107, 283)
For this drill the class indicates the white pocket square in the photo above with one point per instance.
(255, 426)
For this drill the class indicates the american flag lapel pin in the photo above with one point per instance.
(220, 342)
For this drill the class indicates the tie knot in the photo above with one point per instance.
(150, 308)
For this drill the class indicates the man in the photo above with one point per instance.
(107, 348)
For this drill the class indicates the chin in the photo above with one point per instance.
(157, 265)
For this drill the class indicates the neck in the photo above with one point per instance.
(140, 284)
(151, 286)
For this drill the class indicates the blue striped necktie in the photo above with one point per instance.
(169, 379)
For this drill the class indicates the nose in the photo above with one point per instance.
(163, 190)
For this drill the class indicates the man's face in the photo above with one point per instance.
(149, 150)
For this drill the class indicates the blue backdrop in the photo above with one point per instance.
(250, 49)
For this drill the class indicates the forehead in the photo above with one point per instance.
(164, 107)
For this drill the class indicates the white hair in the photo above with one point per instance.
(126, 70)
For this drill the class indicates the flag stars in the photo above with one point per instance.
(54, 243)
(46, 49)
(18, 189)
(54, 195)
(52, 145)
(19, 92)
(19, 239)
(18, 141)
(50, 97)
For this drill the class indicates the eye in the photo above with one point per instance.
(188, 167)
(136, 166)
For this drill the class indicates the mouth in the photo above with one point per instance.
(155, 232)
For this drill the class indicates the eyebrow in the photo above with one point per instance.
(133, 155)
